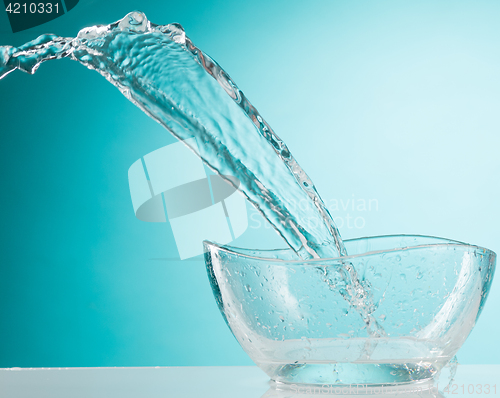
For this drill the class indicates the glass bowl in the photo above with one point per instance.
(293, 319)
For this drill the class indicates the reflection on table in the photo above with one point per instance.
(211, 382)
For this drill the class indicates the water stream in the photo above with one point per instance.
(161, 71)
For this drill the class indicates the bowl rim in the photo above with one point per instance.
(449, 243)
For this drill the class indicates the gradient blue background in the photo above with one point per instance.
(392, 101)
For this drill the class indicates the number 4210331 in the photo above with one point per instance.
(471, 389)
(32, 8)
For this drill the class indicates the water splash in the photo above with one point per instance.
(160, 70)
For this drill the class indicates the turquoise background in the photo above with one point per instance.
(397, 102)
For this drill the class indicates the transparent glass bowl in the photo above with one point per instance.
(426, 293)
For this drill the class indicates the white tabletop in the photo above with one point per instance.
(188, 382)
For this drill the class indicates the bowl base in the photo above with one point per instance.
(371, 374)
(409, 390)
